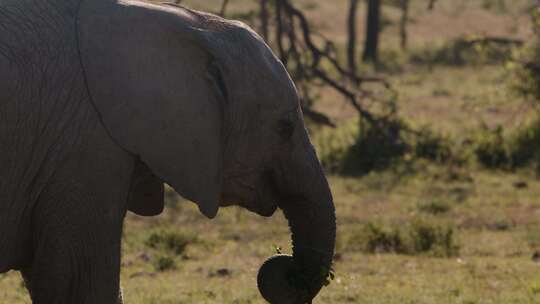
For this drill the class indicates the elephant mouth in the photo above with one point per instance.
(265, 210)
(260, 206)
(262, 199)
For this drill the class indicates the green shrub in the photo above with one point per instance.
(172, 241)
(164, 263)
(420, 236)
(333, 144)
(491, 149)
(463, 51)
(525, 145)
(432, 146)
(376, 148)
(525, 66)
(375, 238)
(359, 148)
(431, 237)
(435, 207)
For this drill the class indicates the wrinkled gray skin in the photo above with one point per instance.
(103, 101)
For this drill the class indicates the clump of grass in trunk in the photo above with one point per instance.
(420, 236)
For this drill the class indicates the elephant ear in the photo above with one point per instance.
(159, 93)
(146, 196)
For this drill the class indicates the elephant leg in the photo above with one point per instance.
(77, 237)
(73, 266)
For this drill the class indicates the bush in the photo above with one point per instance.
(164, 263)
(333, 144)
(435, 207)
(376, 148)
(356, 149)
(491, 150)
(526, 64)
(420, 236)
(432, 146)
(525, 145)
(375, 238)
(170, 240)
(465, 50)
(428, 236)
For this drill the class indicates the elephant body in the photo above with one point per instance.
(40, 124)
(101, 102)
(60, 217)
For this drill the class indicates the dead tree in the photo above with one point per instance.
(403, 23)
(351, 41)
(313, 62)
(223, 9)
(264, 15)
(373, 28)
(431, 4)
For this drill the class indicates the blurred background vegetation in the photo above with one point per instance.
(425, 114)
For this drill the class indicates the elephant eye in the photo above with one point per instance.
(285, 128)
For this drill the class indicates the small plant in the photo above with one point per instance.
(432, 146)
(533, 238)
(420, 236)
(376, 147)
(491, 149)
(435, 207)
(429, 237)
(333, 145)
(164, 263)
(525, 145)
(525, 66)
(172, 241)
(376, 238)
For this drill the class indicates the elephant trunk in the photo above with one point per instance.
(310, 211)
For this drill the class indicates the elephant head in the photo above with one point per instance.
(209, 109)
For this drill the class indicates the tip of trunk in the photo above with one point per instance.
(276, 281)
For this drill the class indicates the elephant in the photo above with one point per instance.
(104, 101)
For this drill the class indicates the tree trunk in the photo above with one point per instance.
(264, 19)
(403, 24)
(372, 31)
(223, 8)
(351, 48)
(431, 4)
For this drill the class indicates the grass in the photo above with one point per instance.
(400, 217)
(495, 224)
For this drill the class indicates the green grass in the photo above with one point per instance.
(495, 224)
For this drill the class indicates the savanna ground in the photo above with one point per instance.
(420, 231)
